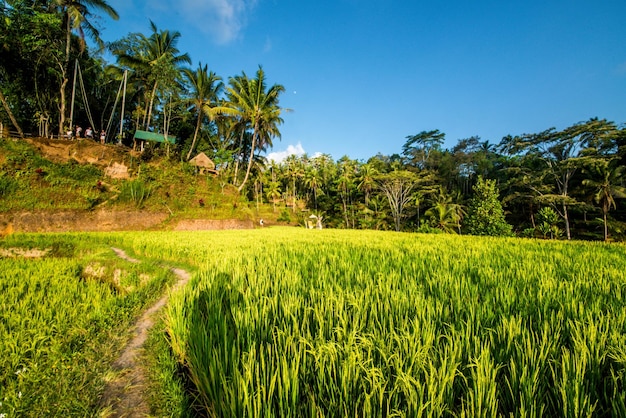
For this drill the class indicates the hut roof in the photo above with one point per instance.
(201, 160)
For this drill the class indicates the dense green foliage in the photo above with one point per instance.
(576, 171)
(64, 315)
(326, 323)
(485, 215)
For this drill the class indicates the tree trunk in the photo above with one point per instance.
(252, 148)
(195, 135)
(237, 161)
(566, 218)
(606, 227)
(11, 116)
(149, 110)
(62, 106)
(64, 69)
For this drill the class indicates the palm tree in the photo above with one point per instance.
(606, 183)
(367, 173)
(312, 181)
(345, 186)
(273, 193)
(445, 214)
(76, 15)
(294, 170)
(257, 106)
(158, 59)
(205, 88)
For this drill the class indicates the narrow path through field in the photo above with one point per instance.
(124, 395)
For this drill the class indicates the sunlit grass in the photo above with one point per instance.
(290, 322)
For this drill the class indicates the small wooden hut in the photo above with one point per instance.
(204, 163)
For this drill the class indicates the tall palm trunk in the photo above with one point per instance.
(149, 110)
(65, 79)
(195, 134)
(605, 211)
(11, 116)
(237, 161)
(252, 148)
(566, 218)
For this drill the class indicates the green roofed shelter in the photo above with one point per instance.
(152, 136)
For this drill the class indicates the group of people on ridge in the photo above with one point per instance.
(77, 133)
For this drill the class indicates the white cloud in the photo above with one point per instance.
(224, 20)
(268, 45)
(279, 156)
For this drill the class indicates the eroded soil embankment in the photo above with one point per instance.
(100, 220)
(105, 220)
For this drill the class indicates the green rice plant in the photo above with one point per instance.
(288, 322)
(59, 328)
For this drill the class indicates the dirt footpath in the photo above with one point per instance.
(124, 395)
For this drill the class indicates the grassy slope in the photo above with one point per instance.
(31, 182)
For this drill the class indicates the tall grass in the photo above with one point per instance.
(63, 318)
(341, 323)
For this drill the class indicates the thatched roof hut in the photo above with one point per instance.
(204, 163)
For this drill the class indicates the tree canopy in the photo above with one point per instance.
(477, 186)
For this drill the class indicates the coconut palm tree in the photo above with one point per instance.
(606, 184)
(158, 59)
(367, 174)
(445, 214)
(205, 88)
(312, 181)
(76, 14)
(257, 107)
(273, 192)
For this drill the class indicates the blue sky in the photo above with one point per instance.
(361, 76)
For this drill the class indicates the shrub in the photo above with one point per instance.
(485, 214)
(8, 185)
(135, 192)
(284, 216)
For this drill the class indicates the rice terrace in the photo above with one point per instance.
(440, 233)
(289, 322)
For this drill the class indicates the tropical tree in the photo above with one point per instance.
(156, 59)
(76, 18)
(294, 171)
(485, 214)
(312, 181)
(548, 222)
(397, 186)
(345, 183)
(418, 149)
(367, 175)
(31, 56)
(445, 214)
(205, 87)
(273, 192)
(607, 184)
(257, 106)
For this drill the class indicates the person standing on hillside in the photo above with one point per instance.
(89, 133)
(103, 136)
(79, 132)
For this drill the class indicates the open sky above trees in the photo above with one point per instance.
(363, 75)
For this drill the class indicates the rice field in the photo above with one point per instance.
(64, 313)
(299, 323)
